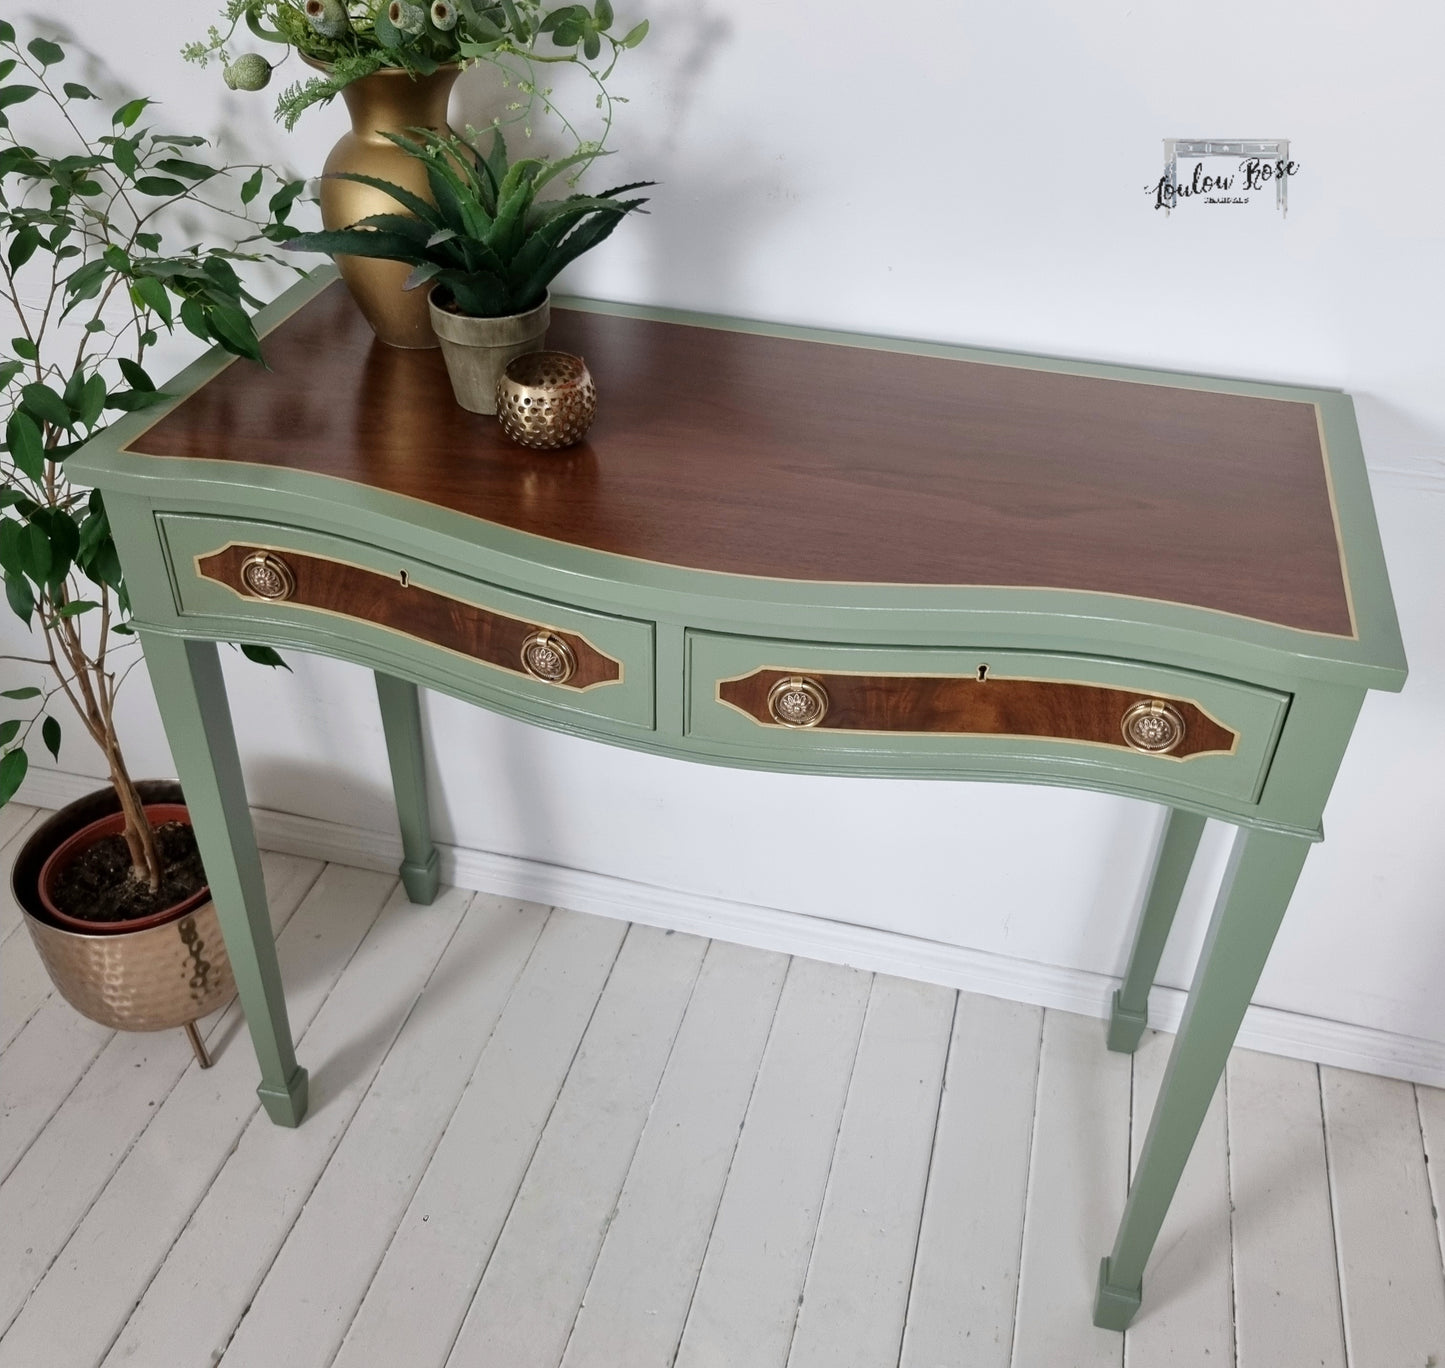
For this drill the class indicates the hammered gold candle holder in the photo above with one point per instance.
(546, 400)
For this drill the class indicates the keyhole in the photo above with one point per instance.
(404, 578)
(982, 673)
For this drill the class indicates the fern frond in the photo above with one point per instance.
(301, 95)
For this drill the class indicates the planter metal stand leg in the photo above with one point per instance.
(198, 1046)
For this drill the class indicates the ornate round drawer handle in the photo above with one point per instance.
(267, 576)
(797, 702)
(1154, 726)
(547, 657)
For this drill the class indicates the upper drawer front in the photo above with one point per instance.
(1177, 727)
(582, 661)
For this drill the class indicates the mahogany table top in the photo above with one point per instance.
(757, 455)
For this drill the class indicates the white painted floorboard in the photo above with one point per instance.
(1078, 1175)
(965, 1282)
(751, 1281)
(527, 1301)
(1286, 1280)
(1390, 1276)
(855, 1298)
(1188, 1319)
(541, 1139)
(637, 1300)
(414, 1308)
(15, 820)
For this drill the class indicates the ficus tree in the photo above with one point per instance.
(95, 267)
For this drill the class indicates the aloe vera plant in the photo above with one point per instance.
(490, 244)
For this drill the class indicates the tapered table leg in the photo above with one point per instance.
(186, 676)
(1258, 883)
(1172, 862)
(401, 721)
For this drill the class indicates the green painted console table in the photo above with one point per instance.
(795, 551)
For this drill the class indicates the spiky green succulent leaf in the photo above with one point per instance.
(486, 242)
(365, 242)
(406, 198)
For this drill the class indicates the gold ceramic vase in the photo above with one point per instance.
(385, 102)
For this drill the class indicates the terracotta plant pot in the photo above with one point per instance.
(154, 979)
(75, 845)
(477, 350)
(389, 101)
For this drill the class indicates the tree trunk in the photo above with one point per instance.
(140, 840)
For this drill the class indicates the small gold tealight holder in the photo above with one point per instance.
(546, 400)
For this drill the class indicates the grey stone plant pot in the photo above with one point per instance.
(476, 350)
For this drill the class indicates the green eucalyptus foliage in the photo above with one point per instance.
(488, 240)
(354, 38)
(88, 279)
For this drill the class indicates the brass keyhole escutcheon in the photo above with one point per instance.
(795, 701)
(267, 576)
(1153, 726)
(547, 657)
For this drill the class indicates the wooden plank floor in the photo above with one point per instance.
(542, 1139)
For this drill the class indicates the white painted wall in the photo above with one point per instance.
(975, 174)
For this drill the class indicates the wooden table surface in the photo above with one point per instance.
(803, 460)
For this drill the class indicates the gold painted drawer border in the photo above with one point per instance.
(1003, 736)
(394, 631)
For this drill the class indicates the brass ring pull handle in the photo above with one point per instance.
(547, 657)
(797, 702)
(267, 576)
(1154, 726)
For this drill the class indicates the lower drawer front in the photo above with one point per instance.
(565, 657)
(1178, 727)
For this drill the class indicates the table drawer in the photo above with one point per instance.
(1192, 729)
(567, 657)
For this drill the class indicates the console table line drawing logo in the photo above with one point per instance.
(1226, 171)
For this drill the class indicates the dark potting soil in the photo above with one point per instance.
(97, 885)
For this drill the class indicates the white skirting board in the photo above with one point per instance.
(1292, 1034)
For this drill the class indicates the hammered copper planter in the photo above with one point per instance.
(150, 980)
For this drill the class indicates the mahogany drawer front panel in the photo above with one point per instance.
(567, 657)
(1178, 727)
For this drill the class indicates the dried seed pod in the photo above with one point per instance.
(328, 18)
(406, 18)
(250, 71)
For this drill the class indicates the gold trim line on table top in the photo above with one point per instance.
(1144, 696)
(412, 583)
